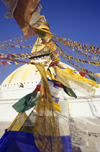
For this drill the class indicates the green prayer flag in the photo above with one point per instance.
(49, 70)
(69, 91)
(91, 75)
(26, 102)
(40, 32)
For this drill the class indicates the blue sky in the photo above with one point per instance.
(77, 20)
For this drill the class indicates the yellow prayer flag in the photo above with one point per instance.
(48, 73)
(23, 45)
(16, 63)
(98, 74)
(2, 45)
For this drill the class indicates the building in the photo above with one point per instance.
(24, 80)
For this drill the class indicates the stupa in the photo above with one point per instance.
(25, 79)
(21, 82)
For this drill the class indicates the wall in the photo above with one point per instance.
(85, 106)
(80, 107)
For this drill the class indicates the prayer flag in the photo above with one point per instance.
(26, 102)
(91, 75)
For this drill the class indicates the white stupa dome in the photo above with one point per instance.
(26, 73)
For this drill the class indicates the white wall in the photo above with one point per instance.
(9, 95)
(85, 106)
(80, 107)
